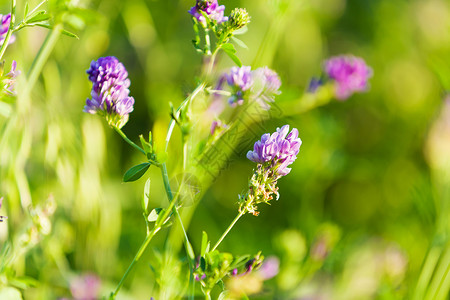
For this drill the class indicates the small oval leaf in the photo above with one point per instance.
(136, 172)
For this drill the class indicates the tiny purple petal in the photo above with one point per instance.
(213, 10)
(270, 268)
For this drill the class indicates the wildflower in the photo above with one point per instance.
(240, 80)
(211, 8)
(314, 84)
(86, 287)
(267, 86)
(4, 26)
(110, 93)
(273, 154)
(239, 18)
(350, 74)
(7, 81)
(269, 268)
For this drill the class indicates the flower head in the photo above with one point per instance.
(239, 18)
(211, 8)
(110, 93)
(4, 26)
(350, 73)
(240, 80)
(277, 150)
(8, 80)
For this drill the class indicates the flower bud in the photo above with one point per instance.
(239, 18)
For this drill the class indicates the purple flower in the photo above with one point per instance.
(212, 9)
(86, 287)
(277, 150)
(270, 267)
(110, 93)
(8, 80)
(241, 80)
(314, 84)
(266, 87)
(350, 73)
(6, 20)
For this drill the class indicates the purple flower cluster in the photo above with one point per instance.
(5, 21)
(211, 8)
(263, 82)
(350, 73)
(278, 150)
(8, 80)
(110, 93)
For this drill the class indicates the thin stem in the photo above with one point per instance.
(10, 29)
(42, 56)
(141, 250)
(197, 90)
(123, 135)
(145, 243)
(207, 42)
(228, 229)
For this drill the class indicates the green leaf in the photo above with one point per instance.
(204, 243)
(154, 214)
(146, 197)
(27, 7)
(230, 51)
(239, 42)
(234, 58)
(136, 172)
(223, 295)
(190, 251)
(38, 16)
(241, 30)
(65, 32)
(228, 48)
(146, 145)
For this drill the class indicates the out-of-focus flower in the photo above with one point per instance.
(277, 151)
(85, 287)
(240, 80)
(314, 84)
(269, 268)
(110, 93)
(261, 85)
(5, 21)
(350, 74)
(273, 154)
(8, 80)
(211, 8)
(239, 18)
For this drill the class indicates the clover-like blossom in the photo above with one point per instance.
(240, 79)
(110, 93)
(211, 8)
(8, 80)
(277, 150)
(350, 73)
(4, 26)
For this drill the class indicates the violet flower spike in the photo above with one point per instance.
(8, 81)
(277, 150)
(350, 73)
(4, 26)
(213, 10)
(240, 80)
(110, 93)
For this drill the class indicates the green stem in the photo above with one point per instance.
(144, 245)
(197, 90)
(10, 29)
(120, 132)
(141, 250)
(208, 295)
(228, 229)
(207, 42)
(42, 56)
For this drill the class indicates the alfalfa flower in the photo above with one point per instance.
(4, 26)
(350, 74)
(240, 80)
(274, 153)
(239, 18)
(211, 8)
(110, 93)
(8, 80)
(262, 85)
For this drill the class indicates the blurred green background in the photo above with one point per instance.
(366, 198)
